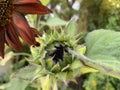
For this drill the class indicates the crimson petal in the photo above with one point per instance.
(25, 1)
(23, 28)
(12, 38)
(2, 41)
(35, 32)
(31, 7)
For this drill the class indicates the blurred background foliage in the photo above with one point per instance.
(86, 15)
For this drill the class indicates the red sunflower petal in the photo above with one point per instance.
(2, 41)
(31, 7)
(35, 32)
(25, 1)
(12, 38)
(23, 28)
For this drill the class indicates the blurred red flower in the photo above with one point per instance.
(13, 23)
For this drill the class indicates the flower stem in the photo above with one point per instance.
(92, 64)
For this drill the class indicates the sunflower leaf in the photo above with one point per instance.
(27, 73)
(14, 83)
(103, 48)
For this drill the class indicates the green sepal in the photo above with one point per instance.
(45, 82)
(70, 76)
(56, 68)
(66, 68)
(85, 69)
(34, 51)
(49, 63)
(76, 64)
(62, 76)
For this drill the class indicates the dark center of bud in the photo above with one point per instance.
(58, 53)
(6, 8)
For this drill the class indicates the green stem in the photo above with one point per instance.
(90, 63)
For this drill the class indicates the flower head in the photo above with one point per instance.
(13, 23)
(53, 60)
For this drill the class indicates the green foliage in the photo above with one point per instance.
(55, 21)
(103, 42)
(103, 48)
(99, 81)
(101, 14)
(22, 78)
(17, 84)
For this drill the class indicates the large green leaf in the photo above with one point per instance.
(23, 77)
(103, 43)
(103, 48)
(17, 84)
(27, 73)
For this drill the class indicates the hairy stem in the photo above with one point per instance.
(90, 63)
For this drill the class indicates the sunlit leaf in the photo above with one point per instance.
(45, 2)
